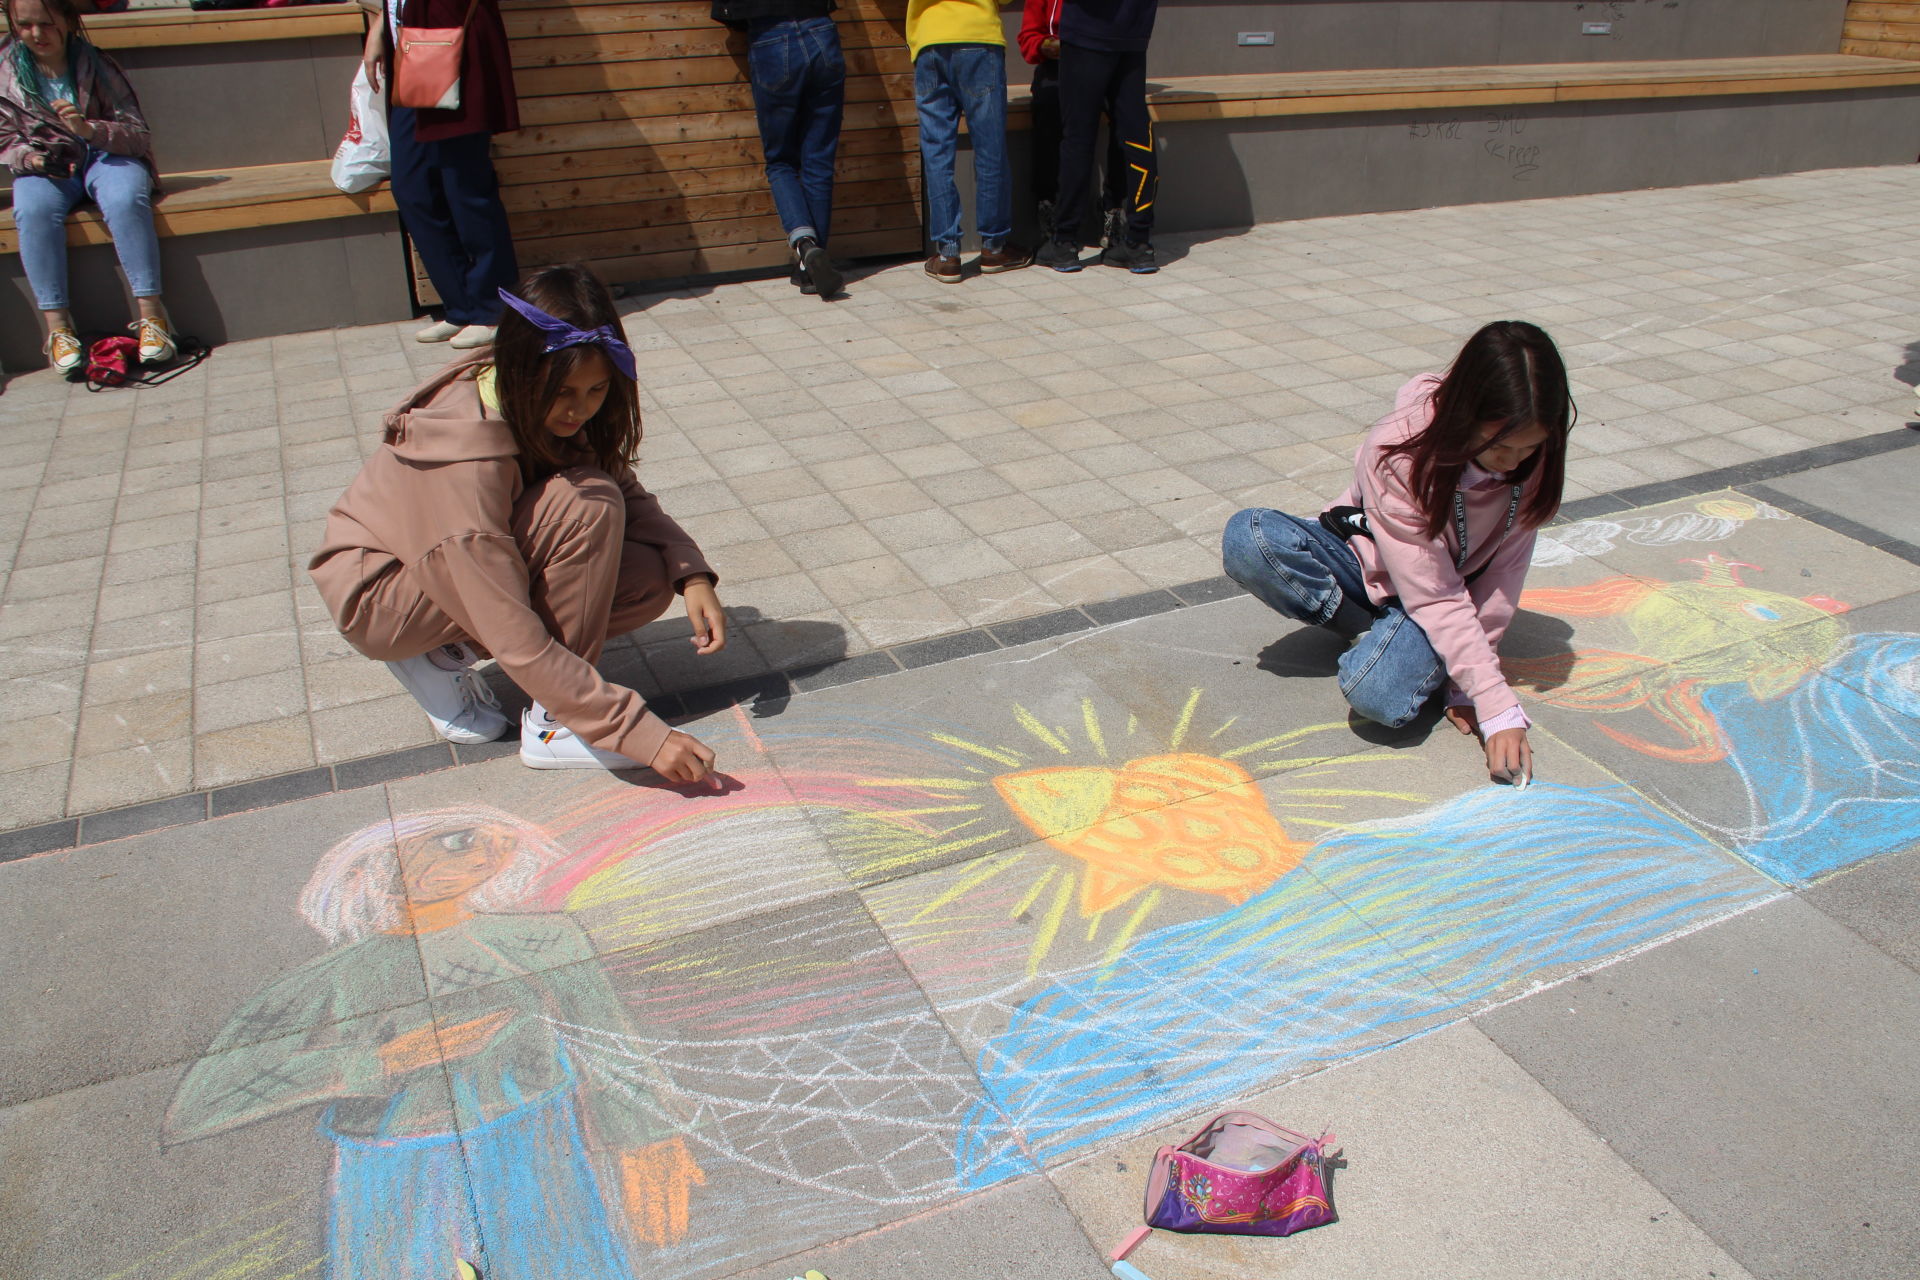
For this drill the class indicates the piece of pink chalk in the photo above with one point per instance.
(1131, 1243)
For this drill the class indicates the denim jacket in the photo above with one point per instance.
(29, 127)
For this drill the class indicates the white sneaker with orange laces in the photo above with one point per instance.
(156, 344)
(65, 350)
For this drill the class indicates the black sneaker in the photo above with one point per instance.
(1137, 258)
(818, 268)
(799, 280)
(1059, 254)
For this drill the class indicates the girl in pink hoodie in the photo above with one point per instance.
(1422, 559)
(501, 516)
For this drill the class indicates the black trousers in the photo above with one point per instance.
(1044, 141)
(449, 201)
(1092, 80)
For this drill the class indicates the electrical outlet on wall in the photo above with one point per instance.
(1596, 28)
(1256, 37)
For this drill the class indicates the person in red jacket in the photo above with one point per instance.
(1040, 46)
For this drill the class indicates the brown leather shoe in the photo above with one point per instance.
(942, 268)
(1008, 257)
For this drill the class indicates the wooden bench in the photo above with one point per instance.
(260, 196)
(159, 28)
(1296, 93)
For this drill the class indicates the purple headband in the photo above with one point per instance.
(561, 334)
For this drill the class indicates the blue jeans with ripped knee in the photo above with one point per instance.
(1294, 566)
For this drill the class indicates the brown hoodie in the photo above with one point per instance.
(438, 498)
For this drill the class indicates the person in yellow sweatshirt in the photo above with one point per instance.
(960, 69)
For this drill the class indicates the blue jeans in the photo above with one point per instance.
(123, 189)
(949, 81)
(1296, 567)
(449, 199)
(799, 88)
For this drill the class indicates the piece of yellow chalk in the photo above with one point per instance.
(467, 1270)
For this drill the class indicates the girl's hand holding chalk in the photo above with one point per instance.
(1510, 758)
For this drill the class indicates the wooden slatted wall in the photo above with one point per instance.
(639, 153)
(1883, 29)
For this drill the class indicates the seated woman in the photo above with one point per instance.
(71, 130)
(1421, 562)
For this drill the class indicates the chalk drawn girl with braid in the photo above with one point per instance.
(463, 1121)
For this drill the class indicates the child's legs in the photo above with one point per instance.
(570, 527)
(123, 189)
(1391, 671)
(1083, 79)
(40, 208)
(939, 109)
(825, 106)
(1291, 564)
(981, 74)
(642, 592)
(1133, 127)
(777, 75)
(1043, 139)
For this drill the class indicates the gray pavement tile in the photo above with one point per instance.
(116, 824)
(395, 764)
(1042, 626)
(271, 791)
(1019, 1231)
(1879, 900)
(817, 1098)
(1455, 1163)
(174, 935)
(960, 644)
(1207, 590)
(1126, 608)
(107, 1183)
(24, 842)
(845, 671)
(1719, 1066)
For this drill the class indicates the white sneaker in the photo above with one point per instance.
(454, 695)
(474, 335)
(545, 743)
(438, 331)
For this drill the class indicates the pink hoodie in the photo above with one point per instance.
(1464, 623)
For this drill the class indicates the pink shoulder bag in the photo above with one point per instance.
(1242, 1174)
(426, 65)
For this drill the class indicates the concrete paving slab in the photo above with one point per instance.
(1876, 492)
(628, 858)
(1021, 1231)
(124, 956)
(1879, 900)
(1456, 1163)
(1776, 1103)
(96, 1186)
(746, 1092)
(1798, 751)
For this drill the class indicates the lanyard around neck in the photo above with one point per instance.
(1460, 523)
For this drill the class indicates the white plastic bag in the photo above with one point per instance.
(364, 159)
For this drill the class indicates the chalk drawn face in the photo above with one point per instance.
(1688, 637)
(445, 866)
(1186, 821)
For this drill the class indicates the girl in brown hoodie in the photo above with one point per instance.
(501, 516)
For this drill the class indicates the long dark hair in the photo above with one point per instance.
(528, 378)
(1509, 374)
(25, 69)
